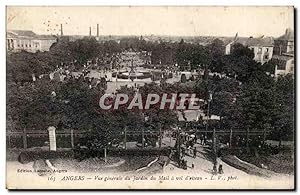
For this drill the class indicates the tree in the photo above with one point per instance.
(84, 49)
(284, 113)
(110, 47)
(163, 53)
(239, 50)
(269, 67)
(216, 48)
(257, 105)
(223, 103)
(158, 118)
(31, 105)
(23, 65)
(61, 51)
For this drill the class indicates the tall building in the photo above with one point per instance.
(284, 53)
(18, 40)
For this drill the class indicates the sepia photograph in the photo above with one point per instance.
(150, 97)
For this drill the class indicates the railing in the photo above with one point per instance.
(69, 135)
(40, 134)
(24, 135)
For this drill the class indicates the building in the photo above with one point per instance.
(18, 40)
(262, 47)
(283, 65)
(284, 44)
(284, 54)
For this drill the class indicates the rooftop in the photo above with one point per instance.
(27, 34)
(288, 36)
(282, 57)
(250, 41)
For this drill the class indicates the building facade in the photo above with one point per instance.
(262, 47)
(285, 43)
(18, 40)
(284, 54)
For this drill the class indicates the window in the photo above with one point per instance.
(266, 57)
(25, 45)
(259, 49)
(267, 49)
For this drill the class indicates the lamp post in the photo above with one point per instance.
(208, 110)
(178, 142)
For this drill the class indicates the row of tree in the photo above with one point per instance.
(248, 96)
(244, 96)
(21, 66)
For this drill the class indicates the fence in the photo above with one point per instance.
(245, 133)
(68, 138)
(64, 138)
(23, 138)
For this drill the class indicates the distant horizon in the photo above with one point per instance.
(144, 35)
(158, 21)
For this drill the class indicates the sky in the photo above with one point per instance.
(174, 21)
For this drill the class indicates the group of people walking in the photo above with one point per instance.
(189, 148)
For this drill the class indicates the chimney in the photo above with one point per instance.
(97, 30)
(90, 31)
(61, 30)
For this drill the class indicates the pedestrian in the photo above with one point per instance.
(183, 151)
(205, 140)
(195, 152)
(215, 169)
(193, 166)
(193, 139)
(184, 164)
(201, 139)
(220, 170)
(189, 150)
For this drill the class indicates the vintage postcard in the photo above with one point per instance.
(141, 97)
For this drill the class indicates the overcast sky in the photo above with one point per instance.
(182, 21)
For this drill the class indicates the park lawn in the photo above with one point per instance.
(283, 162)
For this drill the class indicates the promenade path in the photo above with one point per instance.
(231, 178)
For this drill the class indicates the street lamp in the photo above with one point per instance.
(208, 109)
(207, 121)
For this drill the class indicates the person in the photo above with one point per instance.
(191, 143)
(220, 170)
(215, 169)
(193, 139)
(195, 152)
(184, 164)
(187, 144)
(205, 140)
(201, 139)
(183, 151)
(189, 150)
(181, 163)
